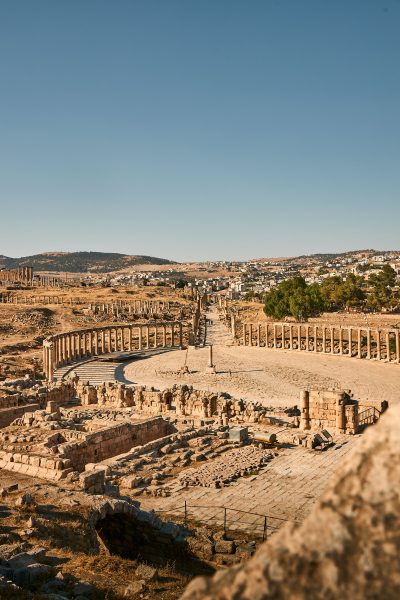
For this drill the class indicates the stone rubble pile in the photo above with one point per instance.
(238, 462)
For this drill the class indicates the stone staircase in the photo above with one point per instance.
(94, 371)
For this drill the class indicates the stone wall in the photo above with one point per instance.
(329, 409)
(8, 415)
(183, 400)
(14, 404)
(100, 445)
(348, 547)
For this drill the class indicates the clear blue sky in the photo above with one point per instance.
(207, 129)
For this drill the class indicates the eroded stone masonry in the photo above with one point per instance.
(61, 430)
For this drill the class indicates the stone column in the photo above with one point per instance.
(307, 338)
(91, 335)
(130, 332)
(291, 337)
(103, 341)
(387, 347)
(324, 339)
(69, 353)
(340, 341)
(233, 326)
(210, 366)
(274, 341)
(305, 409)
(172, 335)
(81, 345)
(299, 338)
(140, 336)
(147, 337)
(359, 343)
(350, 334)
(251, 334)
(51, 360)
(378, 344)
(78, 346)
(164, 333)
(45, 367)
(283, 336)
(368, 343)
(63, 349)
(180, 336)
(244, 334)
(58, 351)
(340, 413)
(397, 334)
(315, 338)
(73, 345)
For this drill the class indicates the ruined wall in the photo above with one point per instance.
(14, 404)
(8, 415)
(184, 400)
(100, 445)
(15, 395)
(348, 547)
(329, 409)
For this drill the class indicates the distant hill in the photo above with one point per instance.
(80, 262)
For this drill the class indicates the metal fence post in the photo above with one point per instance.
(225, 520)
(264, 537)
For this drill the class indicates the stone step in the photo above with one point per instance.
(94, 371)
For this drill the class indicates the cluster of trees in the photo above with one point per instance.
(295, 298)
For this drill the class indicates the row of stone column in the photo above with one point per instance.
(66, 348)
(21, 274)
(359, 342)
(136, 306)
(19, 299)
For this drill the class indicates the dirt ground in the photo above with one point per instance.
(272, 377)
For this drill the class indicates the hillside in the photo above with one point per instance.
(80, 262)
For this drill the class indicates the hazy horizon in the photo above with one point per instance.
(271, 257)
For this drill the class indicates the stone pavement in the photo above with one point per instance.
(286, 489)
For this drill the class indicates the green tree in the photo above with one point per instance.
(382, 293)
(343, 293)
(295, 298)
(180, 284)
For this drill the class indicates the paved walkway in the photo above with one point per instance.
(286, 489)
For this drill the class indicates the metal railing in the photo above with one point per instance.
(368, 416)
(259, 525)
